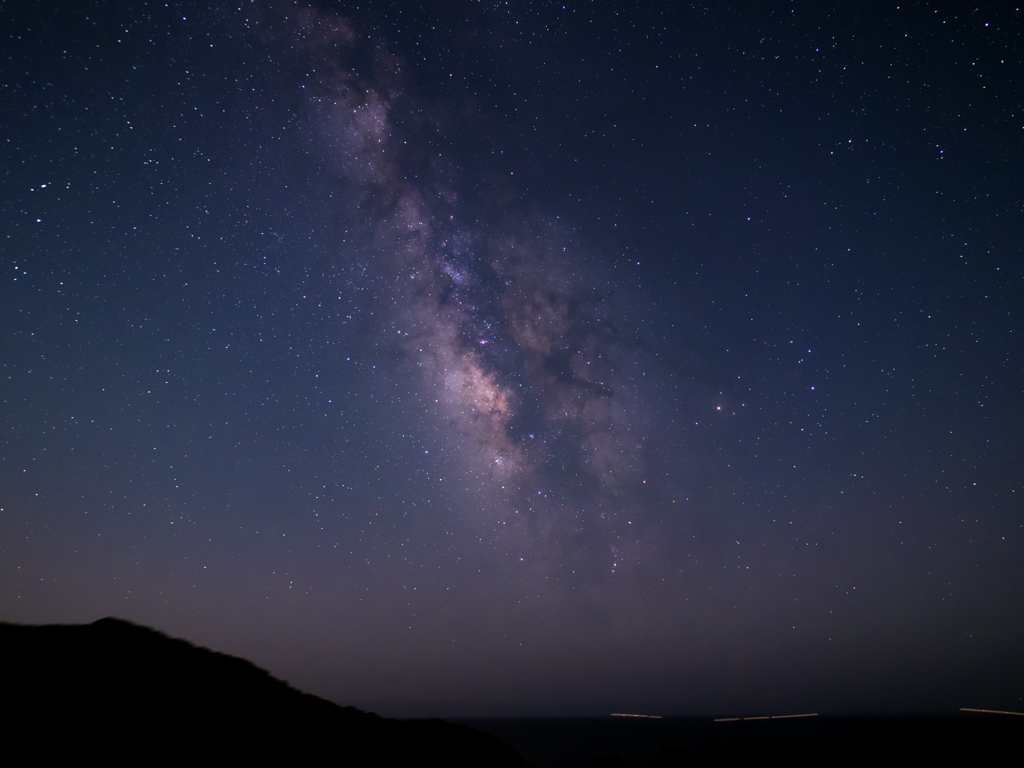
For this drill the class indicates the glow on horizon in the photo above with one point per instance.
(625, 714)
(763, 717)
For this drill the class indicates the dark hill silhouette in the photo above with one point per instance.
(119, 692)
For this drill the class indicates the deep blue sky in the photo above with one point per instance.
(473, 358)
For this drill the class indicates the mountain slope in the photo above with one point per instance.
(133, 693)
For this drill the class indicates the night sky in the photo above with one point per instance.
(479, 358)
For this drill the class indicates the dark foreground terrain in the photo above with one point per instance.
(955, 739)
(118, 692)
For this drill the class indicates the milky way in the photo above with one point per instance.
(504, 324)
